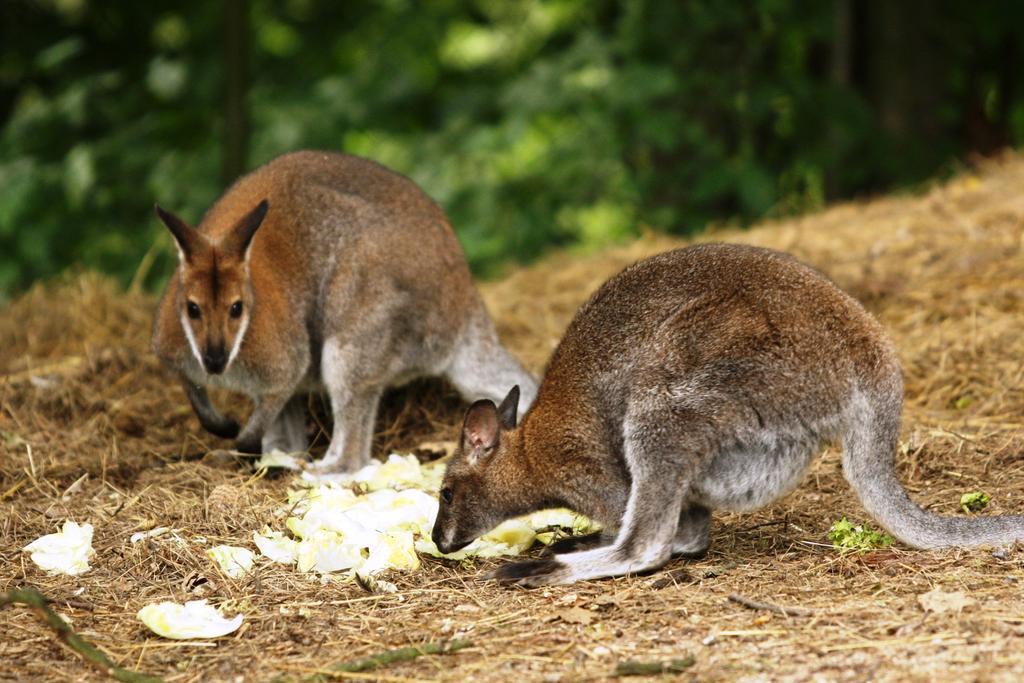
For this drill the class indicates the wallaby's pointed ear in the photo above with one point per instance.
(185, 235)
(240, 238)
(480, 430)
(507, 409)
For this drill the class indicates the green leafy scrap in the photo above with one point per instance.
(11, 439)
(846, 536)
(975, 501)
(964, 402)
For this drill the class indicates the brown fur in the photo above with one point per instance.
(350, 257)
(707, 377)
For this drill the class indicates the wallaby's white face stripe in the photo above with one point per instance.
(191, 336)
(243, 326)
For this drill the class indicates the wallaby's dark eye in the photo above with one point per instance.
(446, 495)
(236, 309)
(193, 310)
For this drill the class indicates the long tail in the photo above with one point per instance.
(869, 448)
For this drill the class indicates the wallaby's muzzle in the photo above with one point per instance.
(446, 546)
(215, 360)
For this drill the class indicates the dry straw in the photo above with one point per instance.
(93, 430)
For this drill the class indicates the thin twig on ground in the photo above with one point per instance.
(402, 654)
(673, 666)
(35, 600)
(769, 607)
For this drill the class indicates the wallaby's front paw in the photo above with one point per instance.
(253, 446)
(226, 429)
(531, 573)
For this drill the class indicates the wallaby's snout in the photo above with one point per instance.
(215, 359)
(444, 545)
(446, 532)
(453, 547)
(435, 536)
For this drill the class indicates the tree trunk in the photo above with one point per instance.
(236, 86)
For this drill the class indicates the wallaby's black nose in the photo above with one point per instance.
(214, 361)
(444, 547)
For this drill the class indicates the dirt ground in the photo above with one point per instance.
(93, 430)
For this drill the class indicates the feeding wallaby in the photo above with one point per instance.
(323, 270)
(703, 378)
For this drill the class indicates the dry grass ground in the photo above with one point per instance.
(93, 430)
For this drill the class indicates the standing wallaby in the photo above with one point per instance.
(703, 378)
(322, 270)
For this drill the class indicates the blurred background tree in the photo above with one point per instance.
(533, 122)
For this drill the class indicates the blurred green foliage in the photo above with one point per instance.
(533, 122)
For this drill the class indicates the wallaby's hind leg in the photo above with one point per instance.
(352, 434)
(353, 405)
(288, 432)
(693, 537)
(482, 368)
(661, 468)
